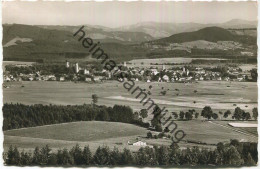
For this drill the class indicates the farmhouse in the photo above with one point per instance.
(97, 78)
(86, 72)
(88, 79)
(154, 71)
(61, 78)
(138, 143)
(166, 78)
(247, 53)
(7, 79)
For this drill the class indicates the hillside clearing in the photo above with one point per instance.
(79, 131)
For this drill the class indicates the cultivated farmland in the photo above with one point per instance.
(220, 95)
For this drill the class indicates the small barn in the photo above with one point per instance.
(139, 143)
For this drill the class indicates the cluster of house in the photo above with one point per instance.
(37, 77)
(137, 74)
(29, 77)
(78, 74)
(185, 75)
(200, 44)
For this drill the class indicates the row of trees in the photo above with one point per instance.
(238, 114)
(230, 154)
(207, 112)
(20, 115)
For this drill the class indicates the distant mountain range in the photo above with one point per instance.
(27, 42)
(104, 34)
(159, 30)
(146, 31)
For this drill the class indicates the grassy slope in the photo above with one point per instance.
(97, 134)
(80, 131)
(92, 133)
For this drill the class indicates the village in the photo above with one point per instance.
(74, 72)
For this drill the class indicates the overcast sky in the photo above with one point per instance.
(115, 14)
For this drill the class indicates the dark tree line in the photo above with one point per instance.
(20, 115)
(238, 114)
(44, 69)
(234, 153)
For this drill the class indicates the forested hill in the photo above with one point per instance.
(211, 34)
(20, 116)
(32, 43)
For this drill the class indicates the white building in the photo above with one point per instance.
(166, 78)
(139, 143)
(77, 68)
(109, 75)
(67, 64)
(247, 53)
(163, 67)
(61, 78)
(154, 71)
(97, 78)
(88, 79)
(7, 79)
(86, 72)
(200, 71)
(219, 78)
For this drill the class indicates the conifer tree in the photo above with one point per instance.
(87, 156)
(127, 157)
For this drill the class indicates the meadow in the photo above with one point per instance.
(220, 95)
(92, 133)
(95, 133)
(250, 130)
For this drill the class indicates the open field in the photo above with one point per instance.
(94, 134)
(250, 130)
(208, 132)
(79, 131)
(220, 95)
